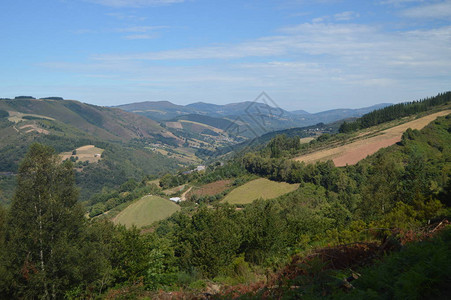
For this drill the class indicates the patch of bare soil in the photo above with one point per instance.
(211, 189)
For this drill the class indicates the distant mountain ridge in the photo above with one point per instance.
(260, 118)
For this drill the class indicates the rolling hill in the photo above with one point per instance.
(102, 122)
(67, 125)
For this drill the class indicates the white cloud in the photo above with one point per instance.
(134, 3)
(440, 10)
(348, 47)
(346, 16)
(309, 59)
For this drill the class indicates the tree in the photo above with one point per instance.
(44, 228)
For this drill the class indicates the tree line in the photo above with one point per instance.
(394, 112)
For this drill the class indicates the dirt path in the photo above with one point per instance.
(183, 196)
(353, 152)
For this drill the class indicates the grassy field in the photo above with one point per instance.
(202, 125)
(258, 188)
(88, 152)
(367, 143)
(145, 211)
(306, 140)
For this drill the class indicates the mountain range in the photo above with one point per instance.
(257, 118)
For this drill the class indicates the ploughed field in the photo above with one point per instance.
(145, 211)
(210, 189)
(368, 143)
(258, 188)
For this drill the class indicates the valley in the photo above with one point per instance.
(225, 150)
(163, 196)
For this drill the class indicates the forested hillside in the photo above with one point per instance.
(396, 111)
(380, 200)
(66, 125)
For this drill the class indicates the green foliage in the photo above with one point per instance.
(102, 202)
(420, 271)
(282, 144)
(400, 187)
(138, 258)
(3, 114)
(210, 240)
(44, 230)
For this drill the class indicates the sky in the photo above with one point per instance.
(305, 54)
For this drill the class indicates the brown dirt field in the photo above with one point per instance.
(353, 152)
(85, 153)
(211, 189)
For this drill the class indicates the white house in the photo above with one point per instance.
(200, 168)
(175, 199)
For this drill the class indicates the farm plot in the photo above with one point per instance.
(210, 189)
(352, 153)
(145, 211)
(85, 153)
(258, 188)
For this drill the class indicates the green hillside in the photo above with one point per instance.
(67, 125)
(101, 122)
(146, 211)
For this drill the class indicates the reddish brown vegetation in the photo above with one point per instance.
(211, 189)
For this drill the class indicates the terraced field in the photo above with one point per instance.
(258, 188)
(145, 211)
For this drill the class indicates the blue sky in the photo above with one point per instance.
(311, 55)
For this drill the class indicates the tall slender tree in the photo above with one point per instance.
(44, 228)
